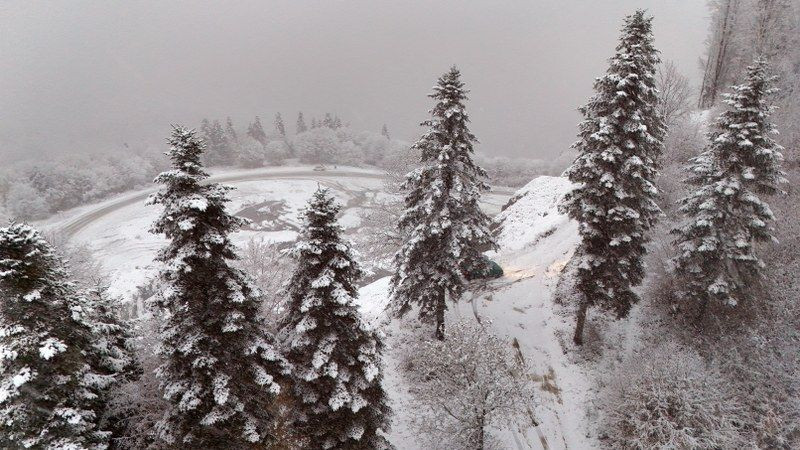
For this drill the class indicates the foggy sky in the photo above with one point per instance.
(90, 75)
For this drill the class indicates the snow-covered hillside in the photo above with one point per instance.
(535, 244)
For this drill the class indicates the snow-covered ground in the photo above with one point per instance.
(121, 240)
(117, 229)
(535, 244)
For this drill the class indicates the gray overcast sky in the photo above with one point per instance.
(88, 75)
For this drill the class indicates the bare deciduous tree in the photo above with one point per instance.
(465, 385)
(265, 262)
(379, 236)
(674, 93)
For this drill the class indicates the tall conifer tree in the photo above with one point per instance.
(279, 127)
(230, 132)
(256, 131)
(220, 365)
(338, 398)
(54, 376)
(445, 229)
(725, 216)
(621, 140)
(301, 123)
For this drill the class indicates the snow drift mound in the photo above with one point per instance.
(532, 213)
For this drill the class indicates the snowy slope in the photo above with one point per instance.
(535, 244)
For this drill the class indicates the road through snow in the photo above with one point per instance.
(74, 225)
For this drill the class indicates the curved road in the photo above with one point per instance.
(72, 226)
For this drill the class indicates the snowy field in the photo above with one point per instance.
(271, 198)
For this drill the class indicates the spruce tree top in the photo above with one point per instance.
(328, 265)
(445, 226)
(27, 261)
(340, 402)
(621, 139)
(741, 140)
(194, 216)
(446, 153)
(448, 132)
(725, 215)
(279, 127)
(301, 123)
(622, 117)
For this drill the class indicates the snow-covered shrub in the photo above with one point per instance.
(25, 203)
(375, 147)
(669, 397)
(349, 154)
(764, 368)
(317, 145)
(464, 387)
(250, 153)
(276, 152)
(685, 139)
(34, 189)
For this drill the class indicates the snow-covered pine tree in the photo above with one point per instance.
(446, 231)
(51, 395)
(279, 127)
(114, 353)
(336, 383)
(256, 131)
(230, 132)
(621, 140)
(385, 132)
(301, 123)
(328, 121)
(217, 146)
(725, 217)
(205, 128)
(220, 368)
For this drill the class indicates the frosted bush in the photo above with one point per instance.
(25, 203)
(276, 152)
(464, 387)
(251, 153)
(669, 397)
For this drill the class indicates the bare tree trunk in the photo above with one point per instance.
(440, 307)
(701, 97)
(710, 89)
(482, 432)
(581, 321)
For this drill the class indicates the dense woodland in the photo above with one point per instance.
(687, 214)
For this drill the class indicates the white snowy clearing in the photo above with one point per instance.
(535, 244)
(117, 229)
